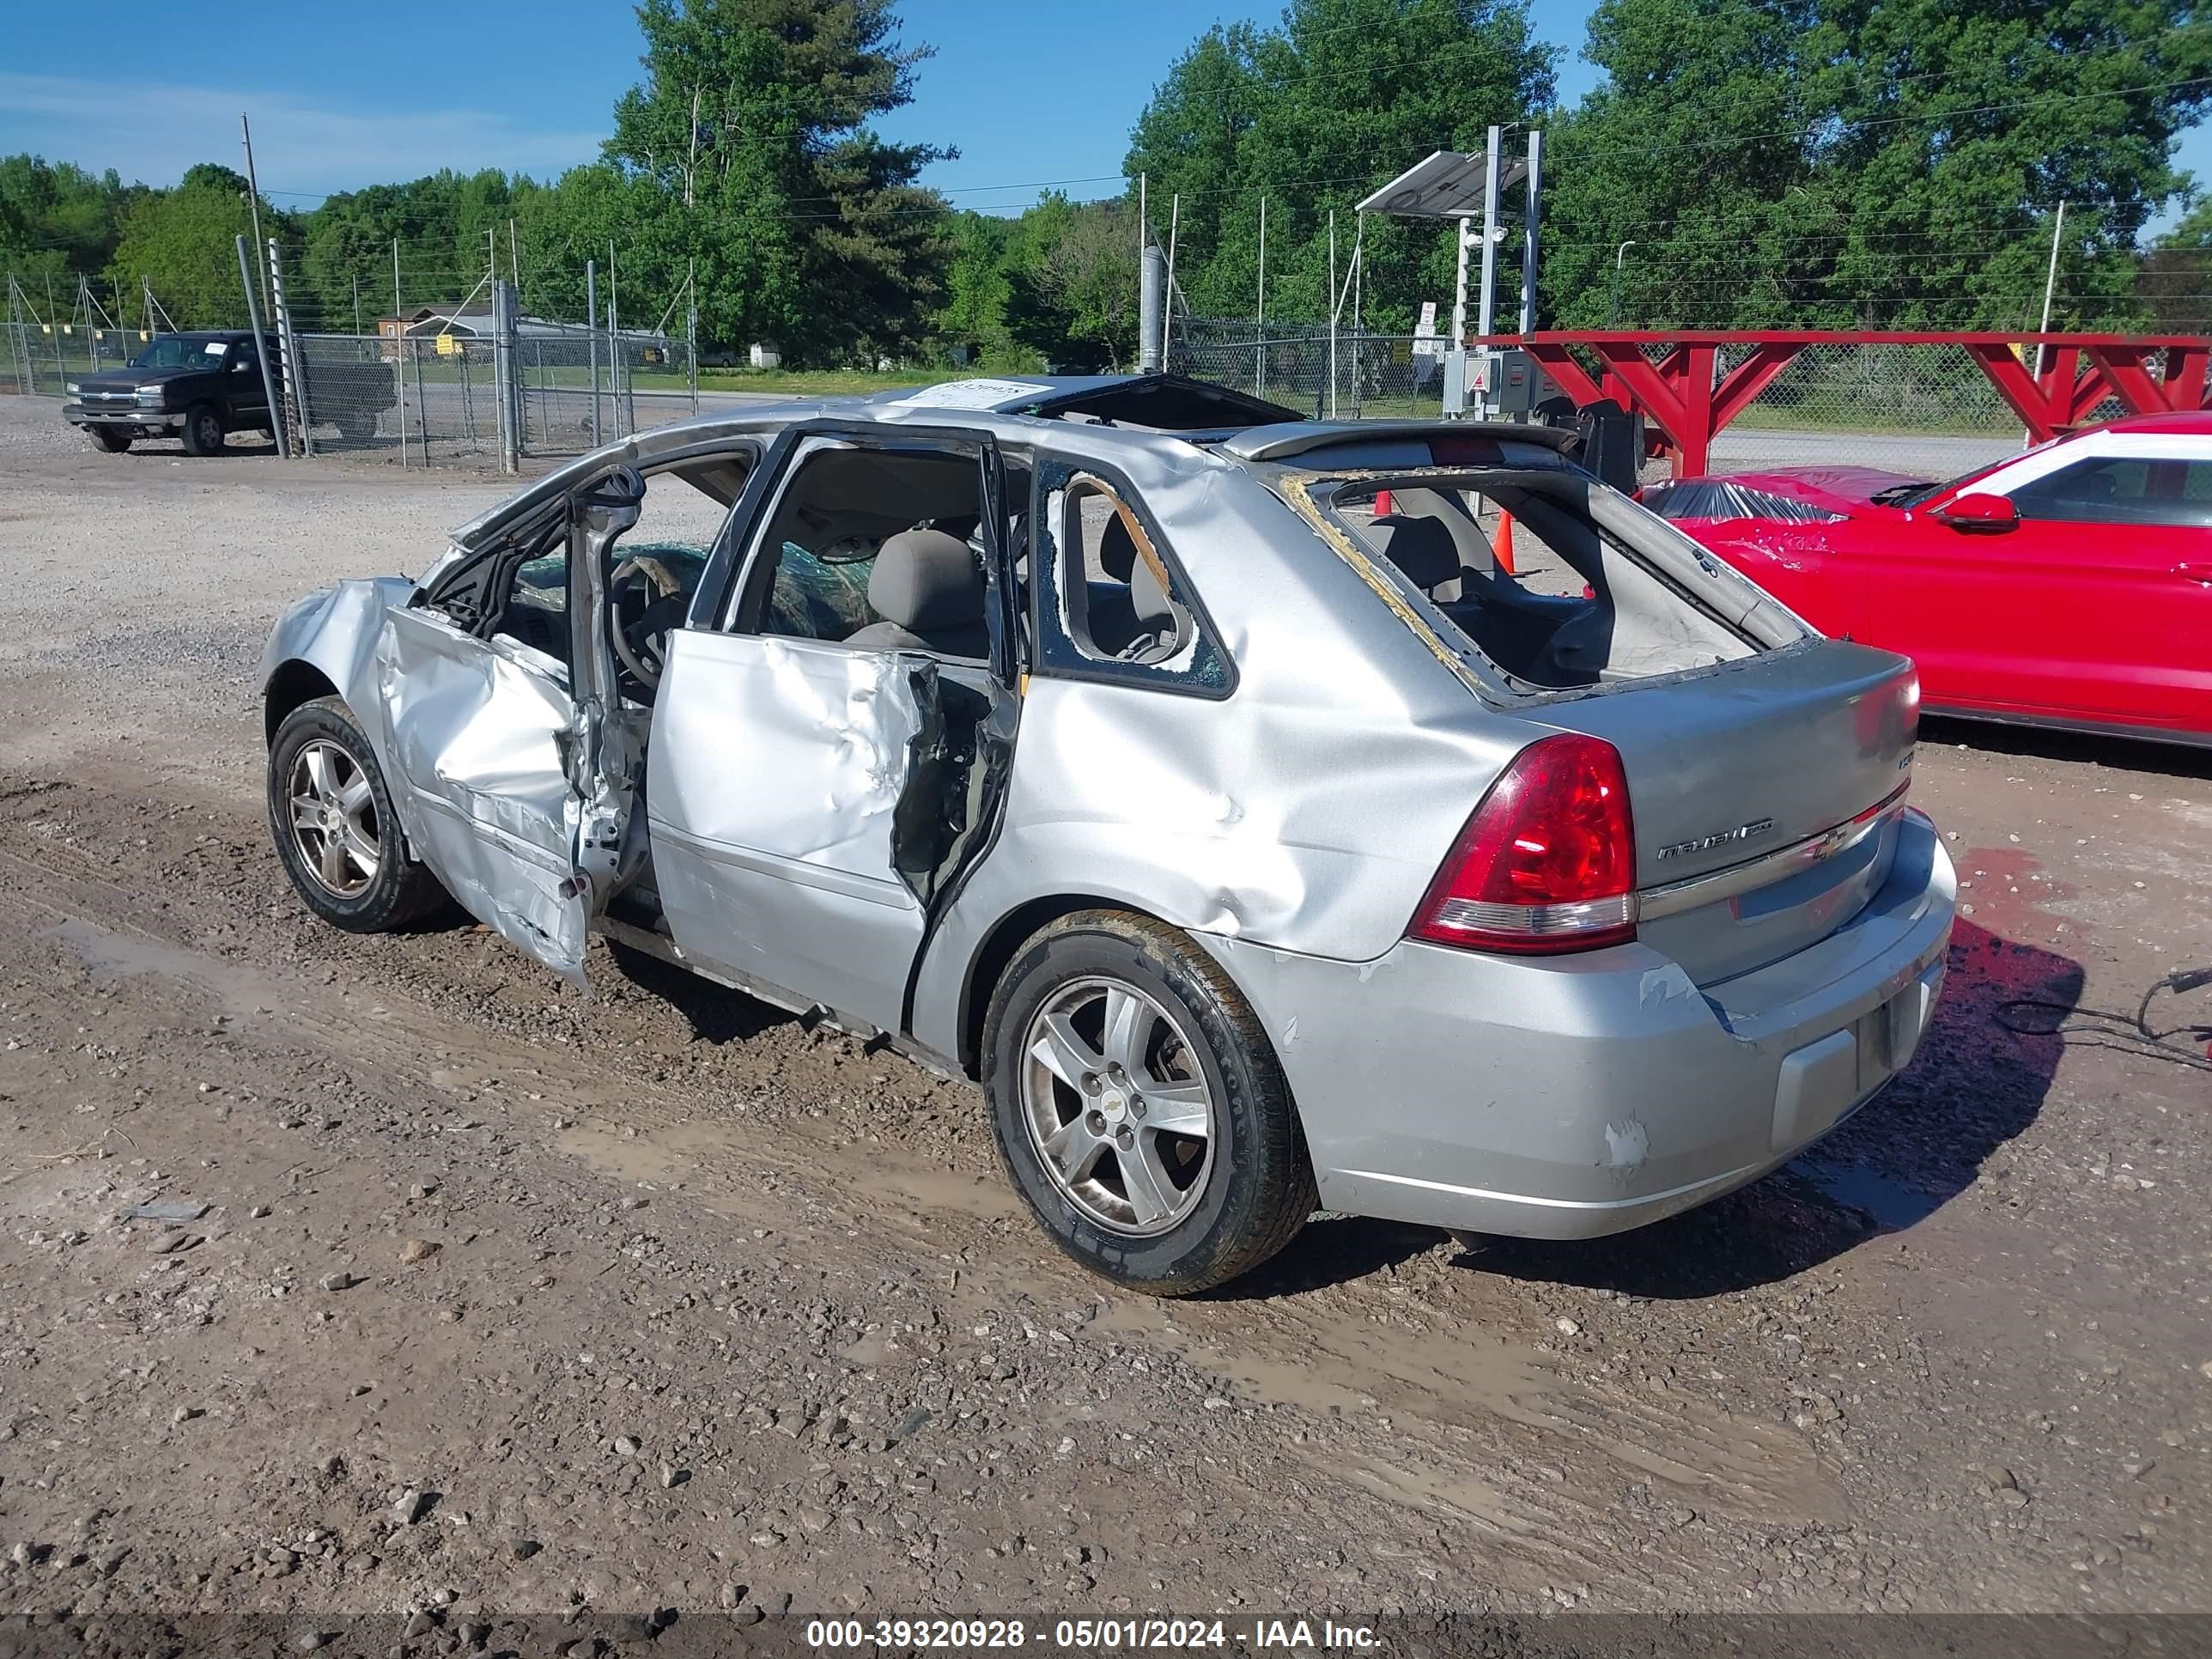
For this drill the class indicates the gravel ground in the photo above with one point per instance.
(503, 1298)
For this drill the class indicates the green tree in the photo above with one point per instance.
(56, 221)
(1072, 294)
(749, 141)
(182, 241)
(2175, 286)
(978, 283)
(449, 227)
(1314, 114)
(1866, 163)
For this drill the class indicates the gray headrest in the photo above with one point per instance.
(1422, 548)
(926, 580)
(1117, 553)
(1147, 596)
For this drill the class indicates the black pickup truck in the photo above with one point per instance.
(200, 386)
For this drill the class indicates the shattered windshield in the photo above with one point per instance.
(183, 351)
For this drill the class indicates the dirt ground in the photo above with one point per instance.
(509, 1299)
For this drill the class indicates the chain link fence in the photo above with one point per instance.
(429, 398)
(1927, 411)
(39, 360)
(1303, 366)
(436, 399)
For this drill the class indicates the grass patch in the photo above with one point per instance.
(818, 382)
(1830, 418)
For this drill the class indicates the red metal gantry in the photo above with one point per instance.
(1681, 397)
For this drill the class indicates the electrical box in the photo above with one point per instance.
(1506, 382)
(1456, 381)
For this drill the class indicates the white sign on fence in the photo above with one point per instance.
(1425, 343)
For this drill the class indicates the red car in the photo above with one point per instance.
(2069, 584)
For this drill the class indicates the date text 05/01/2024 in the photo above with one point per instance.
(1089, 1635)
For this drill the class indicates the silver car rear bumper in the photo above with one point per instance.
(1572, 1097)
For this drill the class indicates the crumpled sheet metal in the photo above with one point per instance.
(773, 774)
(501, 799)
(495, 815)
(336, 630)
(1231, 818)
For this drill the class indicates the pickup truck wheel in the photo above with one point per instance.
(203, 431)
(114, 441)
(1138, 1108)
(336, 831)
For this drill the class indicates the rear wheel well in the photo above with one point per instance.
(293, 683)
(1013, 930)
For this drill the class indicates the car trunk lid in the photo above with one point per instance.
(1764, 795)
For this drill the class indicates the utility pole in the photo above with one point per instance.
(1531, 210)
(691, 165)
(1613, 318)
(1174, 224)
(625, 412)
(2050, 282)
(1260, 353)
(513, 262)
(18, 351)
(591, 332)
(261, 351)
(253, 203)
(399, 363)
(356, 303)
(295, 377)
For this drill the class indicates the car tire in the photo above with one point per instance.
(202, 430)
(1177, 1213)
(107, 439)
(319, 753)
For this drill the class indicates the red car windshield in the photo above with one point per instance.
(1912, 494)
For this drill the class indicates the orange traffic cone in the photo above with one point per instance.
(1501, 545)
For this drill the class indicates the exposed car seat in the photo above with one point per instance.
(1421, 547)
(1152, 617)
(928, 590)
(1109, 612)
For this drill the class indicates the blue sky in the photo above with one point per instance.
(341, 96)
(1030, 92)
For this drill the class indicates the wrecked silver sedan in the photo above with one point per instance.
(1195, 778)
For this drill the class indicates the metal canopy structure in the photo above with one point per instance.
(1448, 185)
(1452, 185)
(1682, 395)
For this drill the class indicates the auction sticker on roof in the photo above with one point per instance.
(974, 394)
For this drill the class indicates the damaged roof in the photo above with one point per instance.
(1145, 410)
(1166, 402)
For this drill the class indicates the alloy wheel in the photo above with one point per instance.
(1117, 1105)
(334, 824)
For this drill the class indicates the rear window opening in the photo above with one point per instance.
(1591, 591)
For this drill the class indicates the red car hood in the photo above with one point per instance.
(1837, 488)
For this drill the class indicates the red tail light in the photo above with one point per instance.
(1548, 863)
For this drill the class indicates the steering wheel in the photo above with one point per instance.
(641, 640)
